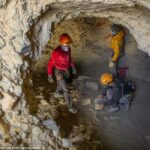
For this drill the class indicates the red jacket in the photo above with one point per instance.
(60, 60)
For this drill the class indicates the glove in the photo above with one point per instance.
(111, 64)
(74, 71)
(99, 106)
(50, 79)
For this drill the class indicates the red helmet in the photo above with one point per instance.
(65, 39)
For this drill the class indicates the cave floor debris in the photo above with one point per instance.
(90, 129)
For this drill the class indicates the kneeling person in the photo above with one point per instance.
(111, 94)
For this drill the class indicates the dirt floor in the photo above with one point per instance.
(120, 130)
(96, 130)
(127, 130)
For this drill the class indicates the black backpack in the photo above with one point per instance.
(128, 90)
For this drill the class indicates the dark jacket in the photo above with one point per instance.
(114, 91)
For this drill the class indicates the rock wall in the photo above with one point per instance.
(30, 23)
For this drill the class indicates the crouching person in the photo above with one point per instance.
(59, 65)
(111, 94)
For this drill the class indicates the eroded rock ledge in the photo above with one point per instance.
(30, 23)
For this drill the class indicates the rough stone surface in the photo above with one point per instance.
(32, 23)
(4, 128)
(2, 42)
(7, 102)
(91, 85)
(66, 143)
(85, 101)
(83, 78)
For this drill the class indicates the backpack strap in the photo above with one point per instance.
(120, 85)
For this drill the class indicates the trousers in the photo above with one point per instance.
(61, 77)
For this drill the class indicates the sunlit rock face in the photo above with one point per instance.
(30, 24)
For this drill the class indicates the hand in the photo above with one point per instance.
(99, 106)
(74, 71)
(50, 79)
(111, 64)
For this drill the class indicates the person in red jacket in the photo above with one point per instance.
(60, 64)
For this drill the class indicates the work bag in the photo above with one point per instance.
(128, 90)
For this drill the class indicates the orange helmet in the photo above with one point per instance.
(65, 39)
(106, 78)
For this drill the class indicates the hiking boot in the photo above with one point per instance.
(125, 105)
(73, 110)
(58, 95)
(112, 109)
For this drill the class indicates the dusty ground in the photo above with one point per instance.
(71, 125)
(127, 130)
(120, 130)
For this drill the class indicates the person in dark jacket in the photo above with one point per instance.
(59, 65)
(111, 94)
